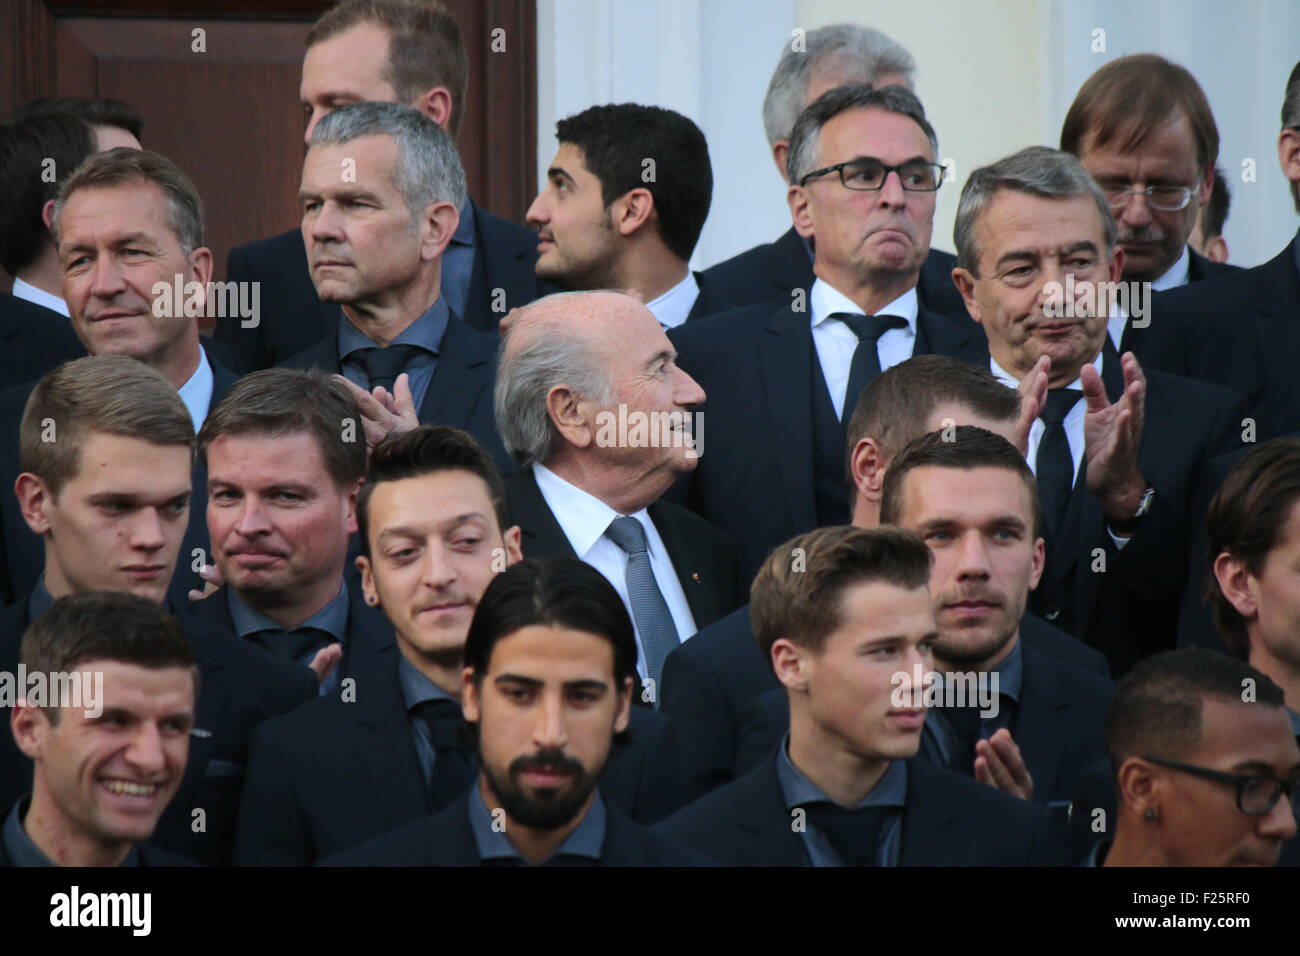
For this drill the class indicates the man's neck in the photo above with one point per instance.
(445, 673)
(990, 663)
(1129, 849)
(1061, 376)
(651, 273)
(290, 611)
(44, 274)
(1280, 672)
(178, 367)
(385, 319)
(625, 493)
(64, 843)
(869, 293)
(535, 845)
(844, 777)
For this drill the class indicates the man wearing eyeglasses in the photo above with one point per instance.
(1144, 130)
(783, 379)
(1205, 762)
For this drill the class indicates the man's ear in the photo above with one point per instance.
(868, 467)
(1040, 561)
(1216, 249)
(964, 280)
(796, 197)
(788, 660)
(469, 698)
(1236, 584)
(1288, 154)
(436, 104)
(513, 537)
(1138, 786)
(29, 726)
(632, 210)
(351, 503)
(47, 214)
(34, 501)
(201, 266)
(780, 152)
(368, 581)
(566, 412)
(439, 222)
(1207, 188)
(1117, 263)
(624, 715)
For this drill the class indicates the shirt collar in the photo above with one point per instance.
(23, 852)
(416, 688)
(29, 292)
(464, 234)
(426, 332)
(1009, 380)
(582, 517)
(825, 300)
(196, 393)
(586, 840)
(332, 618)
(1176, 275)
(672, 308)
(890, 790)
(1295, 720)
(1010, 673)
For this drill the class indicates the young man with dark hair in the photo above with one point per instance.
(549, 675)
(1205, 762)
(107, 446)
(1207, 235)
(434, 533)
(847, 620)
(104, 769)
(607, 220)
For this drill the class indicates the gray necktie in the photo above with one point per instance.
(654, 622)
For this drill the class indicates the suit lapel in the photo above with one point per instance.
(1038, 722)
(792, 267)
(210, 713)
(943, 335)
(458, 380)
(926, 819)
(786, 354)
(371, 645)
(541, 534)
(767, 838)
(691, 572)
(502, 260)
(386, 750)
(708, 302)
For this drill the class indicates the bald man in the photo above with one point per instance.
(592, 405)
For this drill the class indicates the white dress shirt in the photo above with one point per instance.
(25, 290)
(836, 342)
(196, 393)
(584, 519)
(672, 308)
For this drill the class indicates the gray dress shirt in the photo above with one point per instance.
(416, 689)
(23, 852)
(425, 334)
(586, 840)
(332, 619)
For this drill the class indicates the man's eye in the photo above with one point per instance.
(468, 543)
(517, 694)
(939, 536)
(405, 554)
(178, 507)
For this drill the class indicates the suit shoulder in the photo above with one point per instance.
(699, 820)
(154, 856)
(722, 638)
(648, 847)
(502, 227)
(740, 265)
(415, 844)
(978, 802)
(724, 328)
(1181, 391)
(694, 524)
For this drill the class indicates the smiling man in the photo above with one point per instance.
(102, 780)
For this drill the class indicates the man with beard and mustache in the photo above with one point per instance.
(550, 669)
(1114, 450)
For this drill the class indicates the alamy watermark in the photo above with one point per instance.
(951, 689)
(224, 300)
(636, 429)
(1088, 299)
(79, 688)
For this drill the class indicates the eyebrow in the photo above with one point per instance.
(129, 238)
(132, 499)
(664, 355)
(534, 683)
(338, 194)
(557, 172)
(1083, 245)
(877, 159)
(409, 531)
(1262, 767)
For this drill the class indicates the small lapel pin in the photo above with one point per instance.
(695, 576)
(200, 733)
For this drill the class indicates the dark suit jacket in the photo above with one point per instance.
(710, 680)
(460, 393)
(240, 686)
(1199, 269)
(769, 272)
(33, 340)
(1240, 330)
(948, 820)
(1060, 726)
(755, 479)
(369, 635)
(149, 855)
(334, 774)
(705, 559)
(294, 318)
(709, 301)
(22, 553)
(445, 839)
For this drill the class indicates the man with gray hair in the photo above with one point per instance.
(381, 191)
(591, 402)
(811, 64)
(1114, 450)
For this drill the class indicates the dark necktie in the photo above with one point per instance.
(654, 622)
(382, 366)
(293, 645)
(866, 358)
(965, 724)
(442, 723)
(855, 834)
(1054, 466)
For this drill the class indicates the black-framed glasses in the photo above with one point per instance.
(866, 175)
(1257, 794)
(1164, 198)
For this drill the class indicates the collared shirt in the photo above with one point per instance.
(1177, 274)
(40, 599)
(890, 791)
(1295, 721)
(584, 519)
(332, 619)
(425, 333)
(196, 393)
(416, 689)
(30, 293)
(587, 839)
(458, 262)
(672, 308)
(23, 852)
(1010, 677)
(836, 342)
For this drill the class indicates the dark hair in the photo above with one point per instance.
(894, 407)
(105, 626)
(797, 592)
(1291, 117)
(616, 141)
(428, 450)
(278, 401)
(1128, 98)
(552, 592)
(1245, 520)
(1215, 212)
(425, 49)
(92, 111)
(1156, 708)
(36, 153)
(965, 447)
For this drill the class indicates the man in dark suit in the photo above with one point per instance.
(589, 398)
(355, 765)
(782, 380)
(410, 53)
(605, 224)
(847, 620)
(120, 311)
(547, 688)
(110, 499)
(832, 56)
(711, 680)
(125, 656)
(376, 241)
(1114, 451)
(284, 470)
